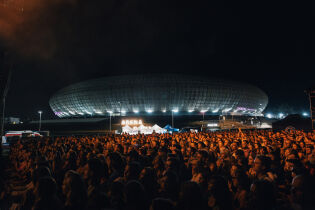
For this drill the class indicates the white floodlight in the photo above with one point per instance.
(149, 110)
(305, 114)
(215, 111)
(136, 111)
(190, 110)
(110, 112)
(80, 113)
(175, 110)
(281, 115)
(269, 115)
(98, 112)
(212, 124)
(227, 109)
(203, 111)
(164, 110)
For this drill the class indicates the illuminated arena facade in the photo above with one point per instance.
(160, 94)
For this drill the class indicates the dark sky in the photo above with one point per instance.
(269, 44)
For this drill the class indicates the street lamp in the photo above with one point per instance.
(174, 110)
(40, 119)
(119, 108)
(203, 118)
(110, 121)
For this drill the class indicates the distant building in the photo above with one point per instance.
(158, 94)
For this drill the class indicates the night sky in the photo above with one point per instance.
(269, 44)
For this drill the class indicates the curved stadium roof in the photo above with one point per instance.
(157, 94)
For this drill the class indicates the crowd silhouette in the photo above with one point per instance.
(222, 170)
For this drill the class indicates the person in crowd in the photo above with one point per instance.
(241, 170)
(75, 192)
(135, 196)
(162, 204)
(191, 197)
(46, 195)
(262, 195)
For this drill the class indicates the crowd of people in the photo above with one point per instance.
(257, 169)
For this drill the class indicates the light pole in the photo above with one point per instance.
(174, 110)
(172, 119)
(110, 121)
(203, 118)
(119, 108)
(40, 119)
(2, 117)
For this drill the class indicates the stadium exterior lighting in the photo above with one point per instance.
(80, 113)
(227, 109)
(40, 119)
(136, 111)
(184, 98)
(305, 114)
(269, 115)
(175, 110)
(215, 111)
(149, 110)
(281, 115)
(123, 112)
(110, 112)
(98, 112)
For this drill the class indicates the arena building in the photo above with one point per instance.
(162, 94)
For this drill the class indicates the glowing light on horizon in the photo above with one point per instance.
(215, 111)
(269, 115)
(228, 109)
(305, 114)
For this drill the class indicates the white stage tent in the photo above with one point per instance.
(143, 129)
